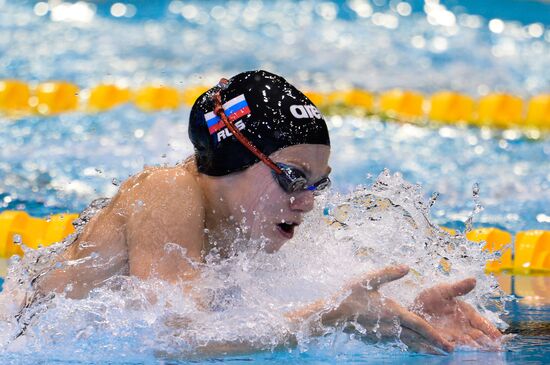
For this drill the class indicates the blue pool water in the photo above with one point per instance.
(60, 163)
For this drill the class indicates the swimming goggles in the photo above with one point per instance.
(291, 179)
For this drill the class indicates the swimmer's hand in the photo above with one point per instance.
(456, 320)
(377, 318)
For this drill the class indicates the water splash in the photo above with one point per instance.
(478, 208)
(247, 295)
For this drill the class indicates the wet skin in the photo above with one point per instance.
(165, 219)
(193, 212)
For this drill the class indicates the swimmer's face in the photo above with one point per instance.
(263, 209)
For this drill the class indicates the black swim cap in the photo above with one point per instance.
(268, 111)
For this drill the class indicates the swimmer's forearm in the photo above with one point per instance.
(317, 317)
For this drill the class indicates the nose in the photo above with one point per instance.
(302, 201)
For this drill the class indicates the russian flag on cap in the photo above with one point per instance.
(234, 109)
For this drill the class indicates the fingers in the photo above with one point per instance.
(479, 322)
(457, 289)
(416, 343)
(411, 339)
(486, 327)
(483, 340)
(477, 340)
(391, 273)
(465, 340)
(420, 326)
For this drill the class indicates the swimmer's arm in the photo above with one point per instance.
(218, 347)
(455, 319)
(338, 309)
(360, 304)
(97, 254)
(317, 317)
(165, 227)
(123, 237)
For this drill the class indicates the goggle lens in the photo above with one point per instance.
(293, 180)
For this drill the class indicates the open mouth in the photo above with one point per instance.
(286, 229)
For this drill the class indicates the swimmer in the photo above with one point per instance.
(261, 156)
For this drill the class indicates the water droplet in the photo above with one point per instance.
(115, 181)
(445, 265)
(17, 239)
(475, 190)
(477, 208)
(433, 198)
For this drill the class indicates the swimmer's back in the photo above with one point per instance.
(152, 227)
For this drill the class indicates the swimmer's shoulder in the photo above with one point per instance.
(163, 205)
(168, 187)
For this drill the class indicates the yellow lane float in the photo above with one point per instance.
(189, 95)
(401, 103)
(14, 97)
(317, 98)
(532, 252)
(498, 110)
(157, 97)
(449, 106)
(538, 112)
(17, 227)
(495, 240)
(55, 97)
(107, 96)
(355, 99)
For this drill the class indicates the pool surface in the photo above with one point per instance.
(59, 164)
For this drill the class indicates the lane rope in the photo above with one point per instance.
(19, 99)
